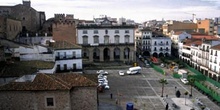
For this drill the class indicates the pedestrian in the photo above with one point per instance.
(167, 106)
(111, 95)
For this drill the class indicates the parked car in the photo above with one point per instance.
(102, 72)
(121, 73)
(107, 87)
(184, 80)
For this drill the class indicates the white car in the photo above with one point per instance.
(121, 73)
(101, 72)
(184, 80)
(107, 87)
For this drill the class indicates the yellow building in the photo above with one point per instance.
(206, 26)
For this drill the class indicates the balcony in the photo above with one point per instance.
(161, 44)
(67, 57)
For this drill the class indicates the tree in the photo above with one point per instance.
(163, 82)
(186, 93)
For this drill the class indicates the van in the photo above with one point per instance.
(134, 70)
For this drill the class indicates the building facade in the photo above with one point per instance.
(64, 28)
(106, 42)
(153, 44)
(206, 26)
(9, 28)
(66, 91)
(31, 20)
(178, 26)
(68, 56)
(201, 54)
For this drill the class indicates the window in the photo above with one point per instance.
(211, 52)
(106, 39)
(96, 39)
(85, 32)
(215, 53)
(167, 43)
(155, 49)
(85, 39)
(96, 32)
(116, 31)
(117, 39)
(127, 39)
(126, 31)
(74, 54)
(23, 18)
(50, 102)
(155, 43)
(106, 31)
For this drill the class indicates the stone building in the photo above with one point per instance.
(9, 28)
(64, 28)
(31, 20)
(66, 91)
(106, 41)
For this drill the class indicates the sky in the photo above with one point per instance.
(137, 10)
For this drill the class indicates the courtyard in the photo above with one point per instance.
(144, 91)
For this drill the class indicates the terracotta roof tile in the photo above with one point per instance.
(190, 42)
(178, 32)
(216, 47)
(206, 37)
(65, 45)
(64, 81)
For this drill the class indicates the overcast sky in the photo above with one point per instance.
(138, 10)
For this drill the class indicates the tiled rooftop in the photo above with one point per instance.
(19, 68)
(190, 42)
(206, 37)
(64, 81)
(216, 47)
(65, 45)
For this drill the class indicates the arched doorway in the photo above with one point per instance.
(214, 77)
(161, 55)
(116, 54)
(126, 53)
(146, 53)
(96, 54)
(85, 53)
(166, 54)
(155, 55)
(106, 54)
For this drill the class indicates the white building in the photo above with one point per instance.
(34, 39)
(68, 56)
(202, 55)
(106, 42)
(214, 62)
(154, 44)
(179, 36)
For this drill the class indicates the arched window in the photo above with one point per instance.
(106, 39)
(85, 39)
(96, 39)
(117, 40)
(127, 38)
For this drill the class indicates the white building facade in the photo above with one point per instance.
(154, 45)
(68, 57)
(106, 42)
